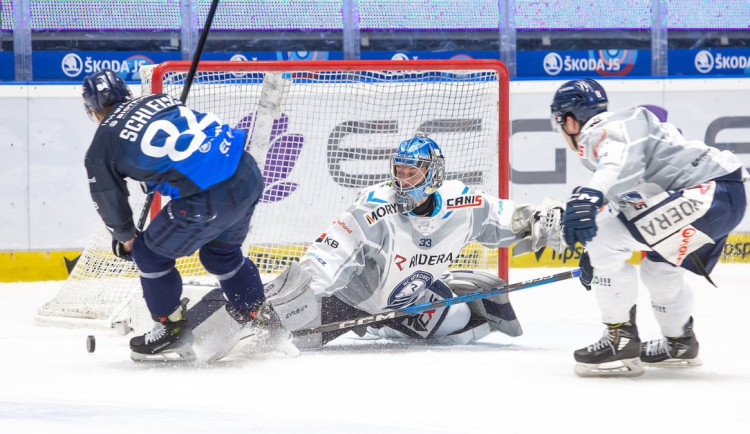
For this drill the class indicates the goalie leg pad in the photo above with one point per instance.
(497, 309)
(472, 332)
(292, 299)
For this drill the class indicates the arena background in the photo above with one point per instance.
(690, 58)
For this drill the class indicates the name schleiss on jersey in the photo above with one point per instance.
(140, 117)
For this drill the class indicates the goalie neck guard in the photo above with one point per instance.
(424, 155)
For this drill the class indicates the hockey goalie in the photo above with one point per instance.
(392, 249)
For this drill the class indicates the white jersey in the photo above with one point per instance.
(376, 259)
(631, 148)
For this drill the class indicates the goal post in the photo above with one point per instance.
(320, 131)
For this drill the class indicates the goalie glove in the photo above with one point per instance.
(541, 225)
(579, 219)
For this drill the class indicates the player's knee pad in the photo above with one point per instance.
(496, 310)
(221, 259)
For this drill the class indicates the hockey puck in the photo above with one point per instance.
(90, 344)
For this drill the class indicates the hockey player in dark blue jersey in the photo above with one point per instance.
(214, 185)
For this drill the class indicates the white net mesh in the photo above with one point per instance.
(319, 137)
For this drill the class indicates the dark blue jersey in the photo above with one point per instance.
(157, 140)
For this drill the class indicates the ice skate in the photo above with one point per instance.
(261, 329)
(171, 339)
(676, 352)
(616, 354)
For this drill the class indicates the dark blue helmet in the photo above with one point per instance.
(103, 89)
(583, 99)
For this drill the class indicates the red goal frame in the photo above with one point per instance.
(367, 65)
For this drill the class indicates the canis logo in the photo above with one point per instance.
(283, 152)
(464, 201)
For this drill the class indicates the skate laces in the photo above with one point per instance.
(658, 346)
(604, 342)
(155, 334)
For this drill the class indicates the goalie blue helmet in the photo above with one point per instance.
(583, 99)
(103, 89)
(417, 170)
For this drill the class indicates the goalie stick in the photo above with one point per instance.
(417, 308)
(207, 309)
(214, 300)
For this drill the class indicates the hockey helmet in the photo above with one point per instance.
(102, 89)
(583, 99)
(424, 154)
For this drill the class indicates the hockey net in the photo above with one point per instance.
(320, 131)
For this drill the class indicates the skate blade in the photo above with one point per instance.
(183, 355)
(676, 363)
(620, 368)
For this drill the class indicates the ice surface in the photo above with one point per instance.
(50, 384)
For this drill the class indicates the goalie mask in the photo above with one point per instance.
(103, 89)
(417, 171)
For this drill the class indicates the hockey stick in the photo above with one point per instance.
(183, 97)
(411, 310)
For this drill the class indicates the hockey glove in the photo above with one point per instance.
(541, 225)
(579, 220)
(118, 249)
(587, 271)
